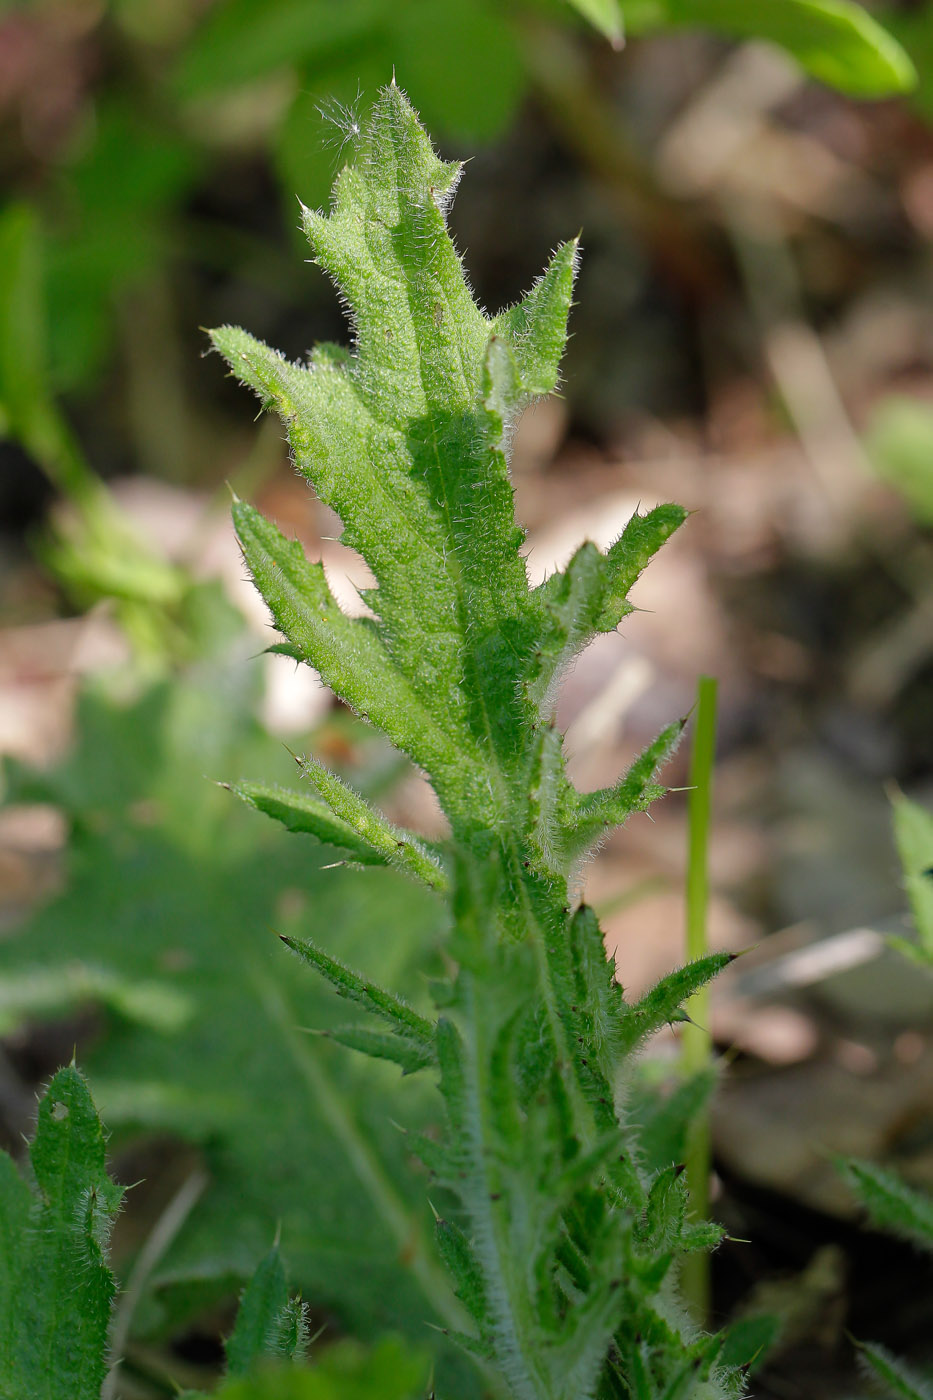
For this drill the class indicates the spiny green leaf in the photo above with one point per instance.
(355, 988)
(344, 820)
(535, 328)
(891, 1204)
(261, 1303)
(300, 812)
(590, 595)
(454, 1249)
(596, 812)
(347, 652)
(641, 539)
(664, 1212)
(700, 1236)
(570, 603)
(407, 437)
(289, 1336)
(53, 1331)
(399, 848)
(896, 1378)
(664, 1002)
(407, 1052)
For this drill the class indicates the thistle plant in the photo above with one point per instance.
(564, 1245)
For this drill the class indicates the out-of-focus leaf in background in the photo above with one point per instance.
(913, 832)
(113, 228)
(836, 41)
(900, 446)
(175, 887)
(27, 407)
(604, 15)
(912, 26)
(391, 1371)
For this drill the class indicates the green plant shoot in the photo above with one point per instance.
(564, 1247)
(56, 1288)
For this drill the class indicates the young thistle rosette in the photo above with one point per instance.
(565, 1249)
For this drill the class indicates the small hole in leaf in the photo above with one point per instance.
(59, 1111)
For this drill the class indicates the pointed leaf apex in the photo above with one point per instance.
(536, 328)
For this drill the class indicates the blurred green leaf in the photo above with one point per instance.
(95, 552)
(835, 41)
(896, 1378)
(461, 64)
(603, 15)
(748, 1340)
(913, 832)
(913, 28)
(244, 39)
(45, 992)
(344, 1371)
(317, 132)
(28, 411)
(23, 376)
(891, 1204)
(171, 881)
(900, 444)
(667, 1120)
(263, 1304)
(111, 230)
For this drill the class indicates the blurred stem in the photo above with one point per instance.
(154, 367)
(795, 354)
(696, 1040)
(152, 1252)
(593, 130)
(47, 438)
